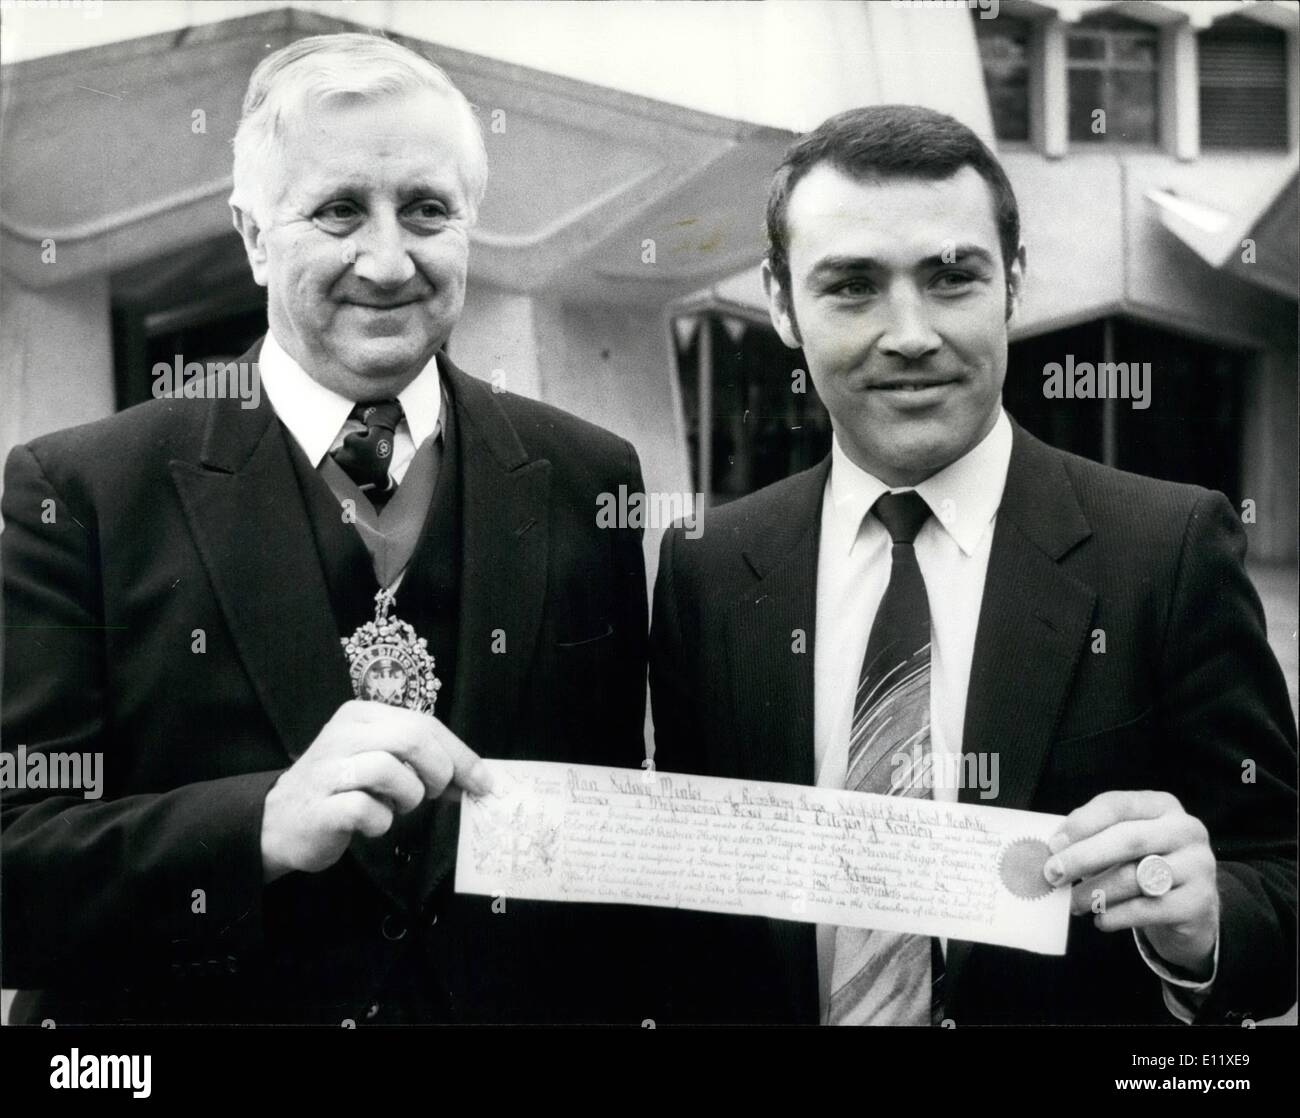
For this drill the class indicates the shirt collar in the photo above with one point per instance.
(315, 414)
(964, 496)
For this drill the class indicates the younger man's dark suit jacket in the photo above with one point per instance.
(1186, 693)
(185, 515)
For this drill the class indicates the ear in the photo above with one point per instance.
(1015, 282)
(254, 242)
(779, 309)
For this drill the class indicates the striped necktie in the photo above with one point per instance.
(878, 977)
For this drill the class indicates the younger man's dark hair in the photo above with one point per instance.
(889, 141)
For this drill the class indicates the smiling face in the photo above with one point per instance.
(362, 240)
(900, 302)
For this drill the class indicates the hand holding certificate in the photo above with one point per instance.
(560, 832)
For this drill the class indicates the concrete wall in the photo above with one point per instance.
(56, 359)
(1167, 278)
(1072, 228)
(621, 373)
(1094, 239)
(742, 60)
(496, 339)
(611, 365)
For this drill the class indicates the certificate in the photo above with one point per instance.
(557, 832)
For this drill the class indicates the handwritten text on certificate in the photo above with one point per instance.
(564, 832)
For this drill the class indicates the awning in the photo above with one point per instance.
(1257, 240)
(594, 193)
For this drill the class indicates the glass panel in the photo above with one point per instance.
(1139, 50)
(1004, 54)
(1085, 47)
(1009, 103)
(1085, 97)
(760, 430)
(1132, 109)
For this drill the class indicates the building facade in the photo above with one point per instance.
(1153, 147)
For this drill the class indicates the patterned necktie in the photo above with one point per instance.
(367, 449)
(878, 977)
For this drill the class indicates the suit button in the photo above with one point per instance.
(393, 927)
(433, 920)
(402, 855)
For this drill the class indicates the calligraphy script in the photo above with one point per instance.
(583, 833)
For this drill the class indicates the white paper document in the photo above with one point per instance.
(558, 832)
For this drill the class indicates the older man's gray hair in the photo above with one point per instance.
(324, 67)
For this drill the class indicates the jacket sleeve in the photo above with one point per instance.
(695, 955)
(104, 889)
(1225, 708)
(632, 623)
(672, 695)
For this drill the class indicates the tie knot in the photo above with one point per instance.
(902, 514)
(378, 413)
(366, 455)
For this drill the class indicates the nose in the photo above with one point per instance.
(908, 333)
(381, 256)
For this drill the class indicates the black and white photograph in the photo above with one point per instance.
(543, 519)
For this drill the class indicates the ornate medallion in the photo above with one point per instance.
(389, 663)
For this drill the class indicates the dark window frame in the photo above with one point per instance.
(987, 30)
(1110, 33)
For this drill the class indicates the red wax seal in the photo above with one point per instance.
(1021, 868)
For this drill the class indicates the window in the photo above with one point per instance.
(1191, 432)
(199, 304)
(1004, 55)
(751, 417)
(1242, 85)
(1113, 66)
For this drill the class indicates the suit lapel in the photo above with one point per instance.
(772, 668)
(773, 683)
(1033, 627)
(248, 520)
(504, 547)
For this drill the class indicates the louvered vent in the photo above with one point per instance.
(1243, 87)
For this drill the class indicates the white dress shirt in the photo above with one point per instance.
(853, 566)
(316, 415)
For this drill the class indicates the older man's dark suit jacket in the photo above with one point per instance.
(181, 515)
(1186, 692)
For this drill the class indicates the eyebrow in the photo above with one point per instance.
(837, 265)
(429, 188)
(421, 188)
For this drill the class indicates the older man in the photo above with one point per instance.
(963, 589)
(292, 630)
